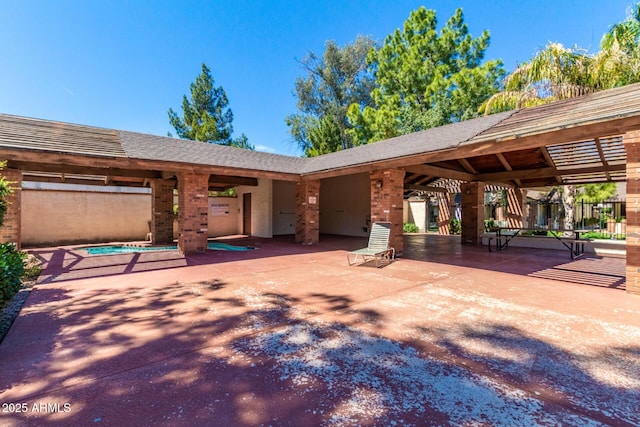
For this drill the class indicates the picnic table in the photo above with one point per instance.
(575, 245)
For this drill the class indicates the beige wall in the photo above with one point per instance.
(284, 207)
(416, 213)
(345, 205)
(261, 208)
(55, 217)
(51, 217)
(221, 223)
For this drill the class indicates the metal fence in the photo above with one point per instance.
(605, 219)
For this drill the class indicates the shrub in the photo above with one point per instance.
(455, 226)
(600, 235)
(11, 270)
(32, 268)
(489, 225)
(5, 190)
(410, 227)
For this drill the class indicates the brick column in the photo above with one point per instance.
(387, 195)
(472, 212)
(193, 209)
(632, 147)
(162, 211)
(308, 212)
(516, 199)
(10, 230)
(445, 209)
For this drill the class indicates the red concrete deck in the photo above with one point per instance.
(290, 335)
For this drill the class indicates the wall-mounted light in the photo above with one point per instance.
(379, 184)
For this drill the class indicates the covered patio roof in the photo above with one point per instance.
(569, 142)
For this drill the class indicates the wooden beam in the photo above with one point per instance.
(83, 181)
(233, 181)
(42, 159)
(544, 173)
(428, 188)
(81, 170)
(440, 172)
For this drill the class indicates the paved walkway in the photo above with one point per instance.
(290, 335)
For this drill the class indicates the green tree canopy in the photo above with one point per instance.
(425, 78)
(332, 83)
(206, 115)
(596, 192)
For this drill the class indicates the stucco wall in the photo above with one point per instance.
(261, 208)
(284, 207)
(55, 217)
(51, 217)
(223, 216)
(345, 205)
(416, 212)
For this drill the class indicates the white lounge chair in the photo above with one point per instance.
(378, 247)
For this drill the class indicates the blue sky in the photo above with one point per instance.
(123, 64)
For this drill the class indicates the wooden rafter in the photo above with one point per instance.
(410, 177)
(507, 166)
(467, 166)
(602, 157)
(549, 161)
(426, 188)
(424, 179)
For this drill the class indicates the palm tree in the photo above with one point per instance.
(557, 72)
(620, 46)
(554, 74)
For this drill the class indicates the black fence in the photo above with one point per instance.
(604, 219)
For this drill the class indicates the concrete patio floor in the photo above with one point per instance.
(291, 335)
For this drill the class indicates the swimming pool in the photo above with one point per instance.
(124, 249)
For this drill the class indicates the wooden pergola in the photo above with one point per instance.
(590, 139)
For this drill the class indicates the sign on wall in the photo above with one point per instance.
(219, 209)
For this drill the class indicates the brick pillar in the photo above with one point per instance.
(10, 230)
(162, 211)
(387, 195)
(445, 209)
(516, 199)
(193, 208)
(632, 147)
(308, 212)
(472, 212)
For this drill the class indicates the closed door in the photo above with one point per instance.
(246, 214)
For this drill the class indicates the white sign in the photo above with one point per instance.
(312, 200)
(219, 209)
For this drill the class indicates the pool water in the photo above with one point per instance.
(122, 249)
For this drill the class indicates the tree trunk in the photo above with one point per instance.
(569, 202)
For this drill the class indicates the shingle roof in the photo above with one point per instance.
(435, 139)
(43, 135)
(47, 136)
(593, 108)
(149, 147)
